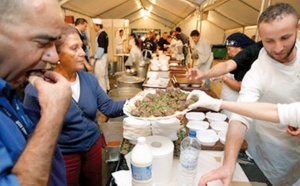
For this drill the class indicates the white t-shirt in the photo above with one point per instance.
(205, 55)
(228, 94)
(119, 44)
(75, 86)
(276, 152)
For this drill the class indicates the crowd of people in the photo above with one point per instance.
(53, 138)
(177, 45)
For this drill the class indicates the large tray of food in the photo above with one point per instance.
(155, 104)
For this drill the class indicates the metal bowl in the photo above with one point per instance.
(123, 93)
(130, 81)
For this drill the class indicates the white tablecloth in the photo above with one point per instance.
(208, 161)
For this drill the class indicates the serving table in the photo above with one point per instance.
(210, 156)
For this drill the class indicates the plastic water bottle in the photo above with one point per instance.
(189, 152)
(141, 163)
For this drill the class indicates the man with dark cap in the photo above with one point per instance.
(231, 82)
(242, 52)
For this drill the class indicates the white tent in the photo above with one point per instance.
(215, 19)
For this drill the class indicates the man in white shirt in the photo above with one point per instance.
(120, 40)
(202, 48)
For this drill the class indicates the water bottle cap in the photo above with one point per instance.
(192, 133)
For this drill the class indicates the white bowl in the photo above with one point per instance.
(197, 125)
(222, 135)
(207, 137)
(213, 116)
(219, 125)
(195, 116)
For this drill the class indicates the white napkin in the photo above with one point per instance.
(122, 177)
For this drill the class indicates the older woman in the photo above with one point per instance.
(80, 140)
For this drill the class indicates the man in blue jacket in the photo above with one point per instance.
(28, 153)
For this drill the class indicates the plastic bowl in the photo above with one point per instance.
(191, 116)
(222, 135)
(219, 125)
(213, 116)
(197, 125)
(207, 137)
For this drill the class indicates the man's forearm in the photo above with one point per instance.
(234, 140)
(34, 164)
(220, 69)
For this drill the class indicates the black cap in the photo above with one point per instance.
(238, 39)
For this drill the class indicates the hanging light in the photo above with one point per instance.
(145, 13)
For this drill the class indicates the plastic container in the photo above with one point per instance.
(189, 153)
(207, 137)
(213, 116)
(195, 116)
(197, 125)
(219, 125)
(141, 164)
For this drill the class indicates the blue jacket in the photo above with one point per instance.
(12, 143)
(79, 133)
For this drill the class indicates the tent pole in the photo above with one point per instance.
(261, 10)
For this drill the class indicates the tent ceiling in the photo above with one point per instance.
(226, 14)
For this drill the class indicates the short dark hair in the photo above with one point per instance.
(277, 10)
(171, 32)
(178, 36)
(178, 29)
(195, 33)
(80, 21)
